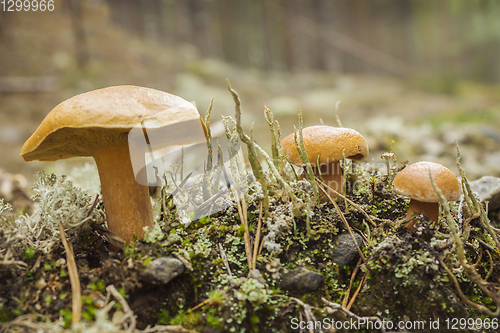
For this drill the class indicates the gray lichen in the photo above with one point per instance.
(58, 201)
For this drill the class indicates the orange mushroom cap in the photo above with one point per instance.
(327, 143)
(414, 182)
(103, 118)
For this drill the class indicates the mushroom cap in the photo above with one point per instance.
(415, 183)
(326, 143)
(103, 118)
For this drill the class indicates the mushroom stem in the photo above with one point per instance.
(127, 203)
(332, 175)
(429, 209)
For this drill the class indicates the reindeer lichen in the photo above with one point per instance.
(58, 201)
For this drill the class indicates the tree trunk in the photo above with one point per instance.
(81, 46)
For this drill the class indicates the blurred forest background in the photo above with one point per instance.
(455, 38)
(412, 75)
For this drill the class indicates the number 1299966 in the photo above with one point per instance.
(26, 5)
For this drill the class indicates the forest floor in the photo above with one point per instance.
(283, 257)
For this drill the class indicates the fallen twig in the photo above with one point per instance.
(21, 321)
(242, 212)
(126, 308)
(356, 293)
(7, 260)
(336, 306)
(307, 309)
(353, 275)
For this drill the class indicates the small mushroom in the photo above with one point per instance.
(97, 124)
(326, 146)
(414, 182)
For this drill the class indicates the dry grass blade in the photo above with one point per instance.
(356, 293)
(248, 244)
(488, 246)
(353, 275)
(194, 308)
(242, 212)
(352, 203)
(257, 239)
(346, 224)
(207, 301)
(91, 209)
(76, 291)
(185, 261)
(211, 200)
(276, 174)
(113, 239)
(177, 188)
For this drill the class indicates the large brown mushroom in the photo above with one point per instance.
(414, 182)
(327, 146)
(97, 124)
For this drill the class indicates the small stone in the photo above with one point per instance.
(301, 280)
(488, 188)
(345, 251)
(163, 269)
